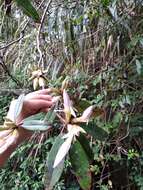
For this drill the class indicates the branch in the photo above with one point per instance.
(39, 31)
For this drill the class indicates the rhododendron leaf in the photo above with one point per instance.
(87, 113)
(67, 106)
(81, 105)
(63, 150)
(18, 106)
(96, 132)
(86, 146)
(50, 116)
(5, 133)
(15, 108)
(52, 175)
(10, 140)
(35, 125)
(80, 165)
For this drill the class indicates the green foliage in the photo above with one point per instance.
(98, 45)
(4, 102)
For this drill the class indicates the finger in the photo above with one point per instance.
(40, 104)
(42, 92)
(39, 97)
(45, 110)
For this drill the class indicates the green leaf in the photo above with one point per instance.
(85, 144)
(28, 9)
(96, 132)
(53, 175)
(80, 165)
(50, 117)
(82, 105)
(35, 125)
(38, 116)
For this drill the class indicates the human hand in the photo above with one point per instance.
(35, 102)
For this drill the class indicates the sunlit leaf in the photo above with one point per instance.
(63, 150)
(15, 108)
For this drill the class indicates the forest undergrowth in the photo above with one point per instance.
(98, 47)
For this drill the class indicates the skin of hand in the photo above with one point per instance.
(35, 102)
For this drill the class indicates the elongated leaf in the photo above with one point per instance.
(28, 9)
(9, 141)
(85, 144)
(38, 116)
(96, 132)
(87, 113)
(50, 117)
(5, 133)
(35, 125)
(15, 108)
(18, 106)
(80, 165)
(81, 105)
(63, 150)
(52, 175)
(67, 105)
(56, 174)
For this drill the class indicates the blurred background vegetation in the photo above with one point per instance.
(98, 44)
